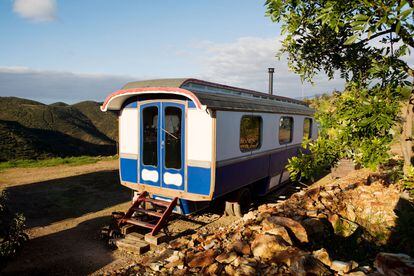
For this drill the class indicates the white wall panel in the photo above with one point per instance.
(228, 133)
(128, 140)
(200, 133)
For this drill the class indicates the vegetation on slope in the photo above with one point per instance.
(32, 130)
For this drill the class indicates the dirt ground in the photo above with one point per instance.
(65, 207)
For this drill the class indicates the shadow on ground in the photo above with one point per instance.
(74, 251)
(50, 201)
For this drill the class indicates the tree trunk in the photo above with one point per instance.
(406, 132)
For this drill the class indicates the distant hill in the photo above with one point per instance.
(29, 129)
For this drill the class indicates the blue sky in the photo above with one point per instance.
(73, 50)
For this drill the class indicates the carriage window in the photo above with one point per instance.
(150, 128)
(307, 128)
(172, 134)
(250, 133)
(285, 130)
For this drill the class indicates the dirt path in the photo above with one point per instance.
(65, 207)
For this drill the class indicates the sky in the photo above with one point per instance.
(75, 50)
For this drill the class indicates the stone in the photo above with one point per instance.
(245, 270)
(179, 243)
(177, 263)
(226, 258)
(229, 269)
(202, 259)
(211, 269)
(356, 273)
(265, 246)
(240, 247)
(274, 229)
(297, 229)
(250, 216)
(323, 256)
(343, 267)
(155, 266)
(394, 264)
(308, 265)
(313, 193)
(317, 228)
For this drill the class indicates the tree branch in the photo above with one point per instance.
(377, 35)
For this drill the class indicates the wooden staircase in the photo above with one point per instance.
(154, 219)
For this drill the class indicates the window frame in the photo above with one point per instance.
(260, 133)
(291, 132)
(143, 135)
(310, 128)
(164, 133)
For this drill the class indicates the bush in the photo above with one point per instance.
(12, 234)
(357, 124)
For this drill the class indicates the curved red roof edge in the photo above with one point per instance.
(143, 90)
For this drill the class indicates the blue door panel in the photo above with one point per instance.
(172, 178)
(149, 174)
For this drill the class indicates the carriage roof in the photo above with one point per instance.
(213, 95)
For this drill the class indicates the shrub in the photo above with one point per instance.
(12, 235)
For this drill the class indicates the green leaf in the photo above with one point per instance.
(361, 17)
(351, 39)
(398, 27)
(405, 13)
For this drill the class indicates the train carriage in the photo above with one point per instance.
(198, 141)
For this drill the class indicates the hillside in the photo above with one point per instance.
(30, 129)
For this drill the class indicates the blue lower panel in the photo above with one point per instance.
(198, 180)
(129, 170)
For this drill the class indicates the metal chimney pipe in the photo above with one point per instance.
(271, 71)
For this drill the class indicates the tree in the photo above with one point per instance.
(364, 41)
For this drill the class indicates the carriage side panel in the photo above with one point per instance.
(199, 151)
(128, 143)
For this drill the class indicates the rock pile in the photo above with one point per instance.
(287, 237)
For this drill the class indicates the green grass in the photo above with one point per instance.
(72, 161)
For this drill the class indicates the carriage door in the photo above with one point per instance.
(172, 145)
(162, 145)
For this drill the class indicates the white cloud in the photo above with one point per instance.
(244, 63)
(36, 10)
(53, 86)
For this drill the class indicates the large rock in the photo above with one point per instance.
(343, 267)
(394, 264)
(323, 256)
(240, 247)
(308, 265)
(274, 229)
(266, 246)
(202, 259)
(295, 227)
(226, 257)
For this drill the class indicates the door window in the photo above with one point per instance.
(172, 134)
(150, 143)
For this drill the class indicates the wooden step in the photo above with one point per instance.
(135, 237)
(158, 202)
(148, 212)
(140, 223)
(136, 247)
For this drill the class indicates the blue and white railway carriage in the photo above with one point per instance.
(198, 141)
